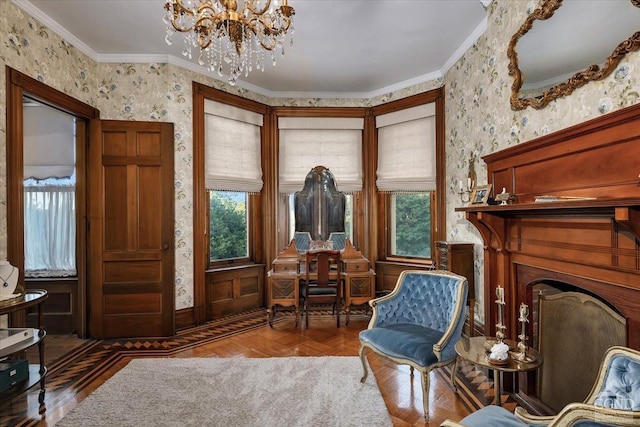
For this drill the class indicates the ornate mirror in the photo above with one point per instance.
(563, 45)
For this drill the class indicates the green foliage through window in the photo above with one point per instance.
(411, 225)
(228, 228)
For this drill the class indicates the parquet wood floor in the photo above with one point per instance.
(77, 367)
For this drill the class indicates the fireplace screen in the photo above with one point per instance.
(574, 331)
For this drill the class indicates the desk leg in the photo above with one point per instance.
(497, 388)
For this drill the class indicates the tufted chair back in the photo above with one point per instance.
(614, 401)
(618, 386)
(418, 324)
(430, 299)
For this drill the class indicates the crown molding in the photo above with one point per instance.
(36, 13)
(469, 41)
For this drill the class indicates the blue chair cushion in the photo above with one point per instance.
(404, 341)
(621, 389)
(494, 416)
(497, 416)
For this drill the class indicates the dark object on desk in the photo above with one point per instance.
(319, 208)
(13, 372)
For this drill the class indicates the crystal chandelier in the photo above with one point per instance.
(230, 42)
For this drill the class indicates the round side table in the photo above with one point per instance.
(475, 350)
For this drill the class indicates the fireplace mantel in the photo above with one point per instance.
(592, 244)
(625, 212)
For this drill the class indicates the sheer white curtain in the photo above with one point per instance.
(50, 231)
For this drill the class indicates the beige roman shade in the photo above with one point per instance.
(232, 148)
(332, 142)
(407, 150)
(49, 143)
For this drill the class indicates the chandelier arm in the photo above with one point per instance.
(248, 4)
(275, 30)
(212, 26)
(179, 9)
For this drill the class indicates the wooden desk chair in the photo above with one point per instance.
(322, 283)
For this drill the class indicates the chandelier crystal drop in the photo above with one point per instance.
(231, 43)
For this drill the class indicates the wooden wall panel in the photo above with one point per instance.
(133, 303)
(149, 230)
(234, 290)
(116, 198)
(145, 271)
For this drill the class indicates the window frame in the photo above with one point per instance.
(438, 200)
(389, 216)
(231, 261)
(202, 266)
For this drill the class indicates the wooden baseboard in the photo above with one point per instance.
(184, 318)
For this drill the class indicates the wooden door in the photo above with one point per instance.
(131, 222)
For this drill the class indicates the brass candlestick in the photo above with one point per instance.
(500, 327)
(521, 355)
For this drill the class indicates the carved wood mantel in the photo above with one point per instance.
(591, 244)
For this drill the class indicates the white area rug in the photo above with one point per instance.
(281, 391)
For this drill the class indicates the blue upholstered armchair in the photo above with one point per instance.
(418, 324)
(614, 401)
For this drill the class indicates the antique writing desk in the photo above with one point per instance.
(283, 280)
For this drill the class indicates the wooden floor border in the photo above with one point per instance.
(92, 359)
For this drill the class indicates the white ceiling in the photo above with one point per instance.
(348, 48)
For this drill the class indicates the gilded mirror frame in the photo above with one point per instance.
(591, 73)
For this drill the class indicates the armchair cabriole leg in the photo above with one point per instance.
(425, 394)
(365, 371)
(426, 341)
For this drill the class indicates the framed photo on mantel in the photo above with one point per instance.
(480, 195)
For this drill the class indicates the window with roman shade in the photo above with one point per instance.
(332, 142)
(407, 150)
(232, 148)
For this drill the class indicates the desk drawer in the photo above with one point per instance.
(285, 267)
(356, 266)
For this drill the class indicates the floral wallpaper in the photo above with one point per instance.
(479, 118)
